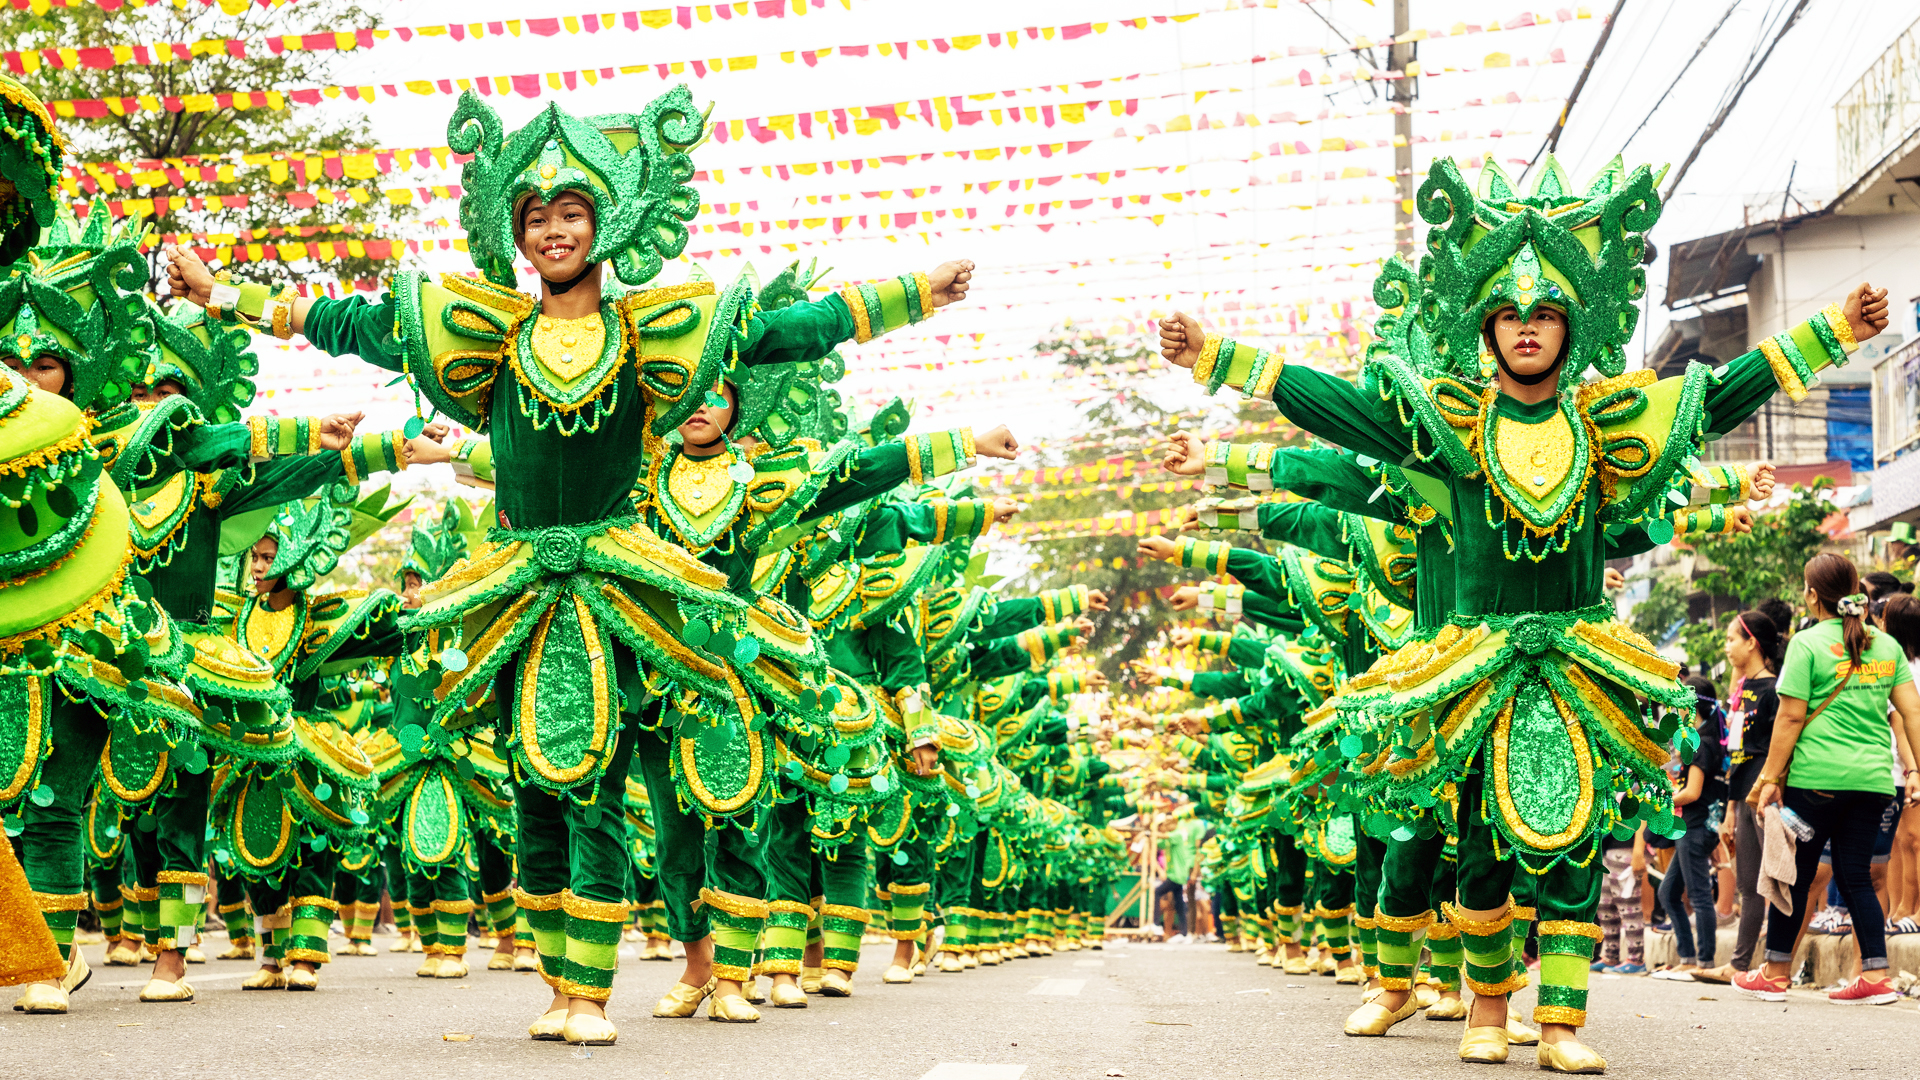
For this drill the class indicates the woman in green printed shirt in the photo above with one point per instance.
(1831, 770)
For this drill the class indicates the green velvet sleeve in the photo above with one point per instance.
(283, 480)
(1259, 573)
(1341, 413)
(1273, 614)
(896, 657)
(379, 636)
(354, 327)
(1333, 479)
(797, 333)
(997, 657)
(1245, 653)
(1220, 684)
(1747, 382)
(875, 470)
(1303, 524)
(212, 447)
(1012, 616)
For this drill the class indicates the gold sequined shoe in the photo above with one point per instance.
(1351, 975)
(1327, 965)
(1374, 1019)
(500, 961)
(732, 1009)
(41, 998)
(429, 967)
(122, 955)
(752, 992)
(550, 1027)
(990, 958)
(404, 943)
(1296, 965)
(525, 961)
(949, 962)
(361, 948)
(809, 980)
(585, 1029)
(1015, 952)
(414, 945)
(836, 983)
(1570, 1056)
(237, 951)
(451, 967)
(788, 996)
(1426, 995)
(1518, 1033)
(265, 979)
(919, 967)
(77, 973)
(897, 973)
(970, 960)
(302, 979)
(193, 955)
(1370, 993)
(1484, 1045)
(1448, 1009)
(147, 955)
(1263, 956)
(162, 990)
(681, 1001)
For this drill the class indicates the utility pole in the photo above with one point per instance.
(1399, 58)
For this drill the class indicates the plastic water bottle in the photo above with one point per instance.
(1796, 824)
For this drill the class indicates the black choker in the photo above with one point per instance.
(561, 288)
(1527, 380)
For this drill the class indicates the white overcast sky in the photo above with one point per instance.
(1028, 281)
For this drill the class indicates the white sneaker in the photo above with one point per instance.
(1177, 939)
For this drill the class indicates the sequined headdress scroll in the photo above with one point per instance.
(634, 166)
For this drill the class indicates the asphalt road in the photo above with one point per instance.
(1133, 1010)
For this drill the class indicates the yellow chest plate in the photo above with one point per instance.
(569, 347)
(700, 485)
(1536, 457)
(269, 632)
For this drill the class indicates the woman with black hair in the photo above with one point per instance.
(1692, 866)
(1835, 685)
(1900, 617)
(1754, 648)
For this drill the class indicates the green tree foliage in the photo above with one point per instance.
(1767, 562)
(1664, 608)
(230, 133)
(1124, 419)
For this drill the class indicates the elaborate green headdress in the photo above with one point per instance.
(634, 167)
(1577, 250)
(439, 542)
(78, 297)
(213, 363)
(314, 533)
(32, 153)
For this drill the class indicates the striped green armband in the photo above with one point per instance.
(381, 451)
(1057, 604)
(1208, 555)
(1212, 641)
(1240, 465)
(239, 305)
(1221, 599)
(1225, 515)
(283, 436)
(959, 517)
(938, 453)
(880, 306)
(473, 459)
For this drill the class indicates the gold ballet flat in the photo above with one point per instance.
(77, 973)
(809, 980)
(919, 968)
(361, 948)
(1327, 965)
(526, 962)
(788, 996)
(1518, 1033)
(41, 998)
(193, 955)
(240, 951)
(302, 979)
(265, 979)
(451, 967)
(1448, 1009)
(1015, 952)
(1263, 956)
(403, 944)
(681, 1001)
(1351, 975)
(500, 961)
(1042, 948)
(752, 992)
(414, 945)
(970, 960)
(949, 962)
(147, 955)
(897, 974)
(1570, 1057)
(989, 957)
(122, 955)
(585, 1029)
(732, 1009)
(1426, 995)
(550, 1027)
(1374, 1019)
(1296, 965)
(162, 990)
(1370, 993)
(836, 983)
(1485, 1045)
(429, 967)
(1072, 945)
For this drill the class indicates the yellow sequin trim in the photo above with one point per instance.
(1476, 927)
(1570, 929)
(1403, 924)
(1209, 355)
(569, 347)
(64, 901)
(582, 990)
(915, 471)
(1559, 1014)
(1503, 793)
(839, 911)
(1783, 373)
(580, 907)
(862, 321)
(527, 901)
(1516, 981)
(528, 726)
(180, 877)
(1842, 329)
(452, 907)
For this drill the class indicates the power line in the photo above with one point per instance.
(1753, 71)
(1704, 42)
(1560, 125)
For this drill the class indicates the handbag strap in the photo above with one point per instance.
(1822, 707)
